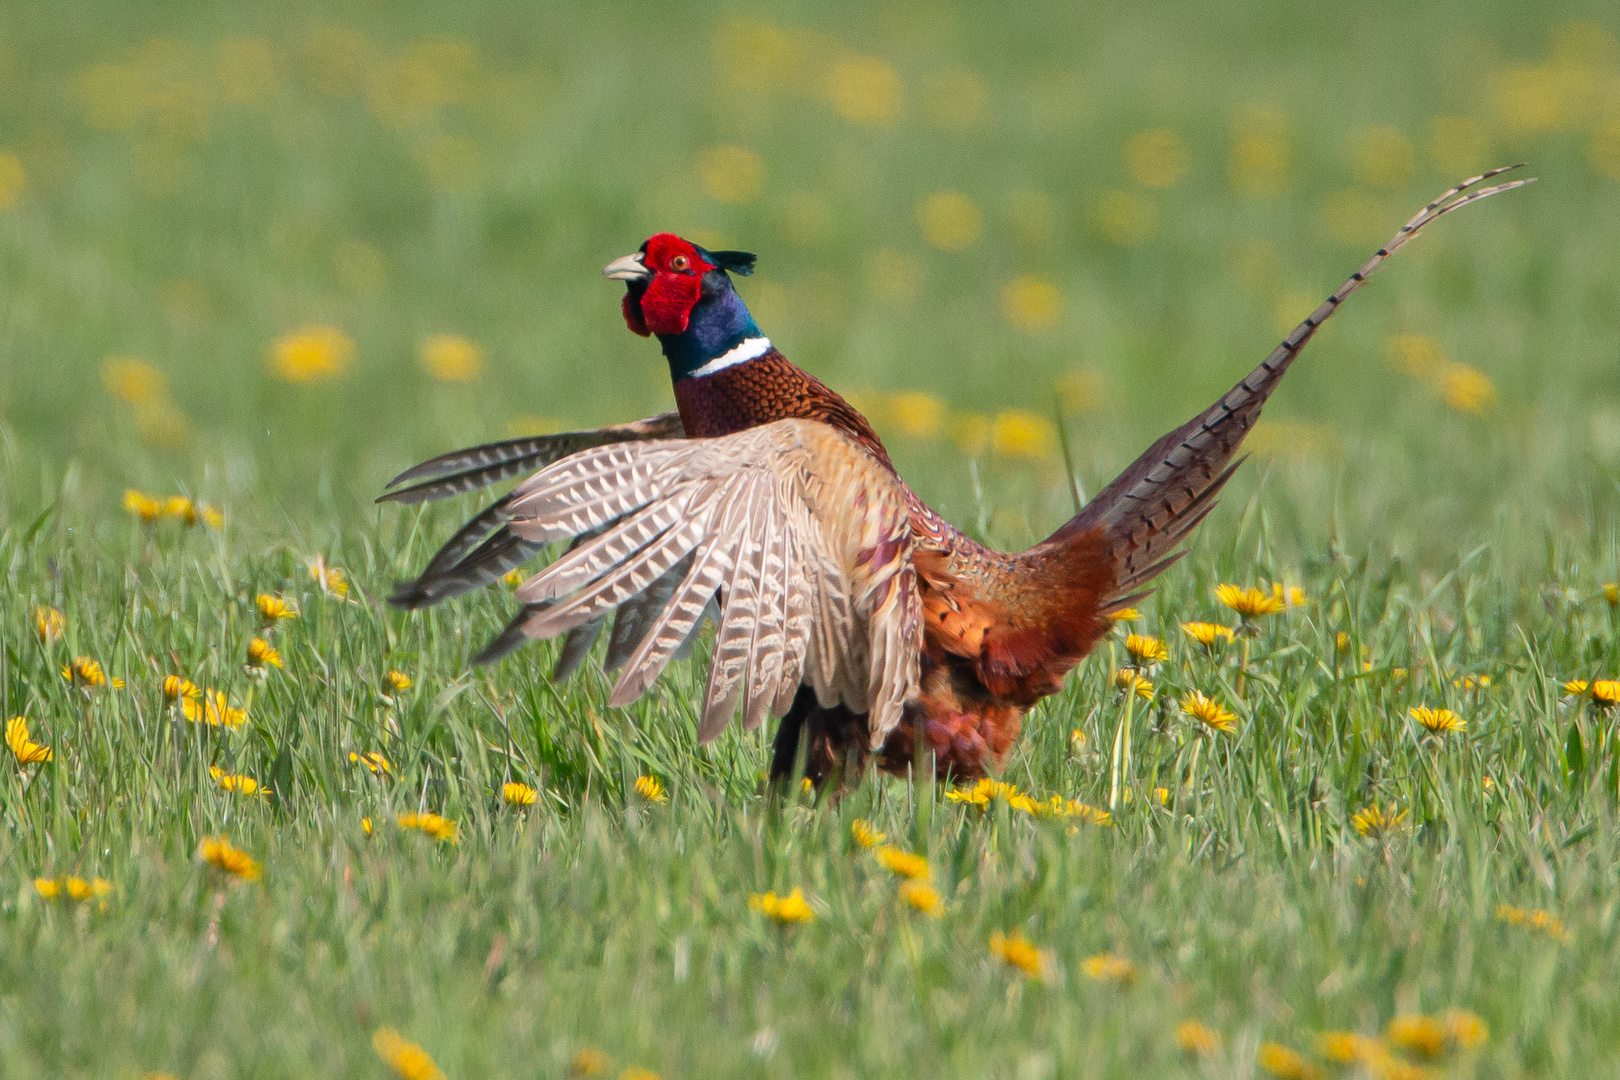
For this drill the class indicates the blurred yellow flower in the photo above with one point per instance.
(1611, 593)
(24, 748)
(214, 710)
(365, 825)
(1146, 650)
(1128, 614)
(48, 888)
(176, 686)
(864, 834)
(234, 782)
(182, 508)
(374, 762)
(916, 414)
(1019, 953)
(1466, 389)
(49, 623)
(902, 863)
(84, 671)
(1195, 1038)
(142, 506)
(274, 608)
(1606, 692)
(517, 794)
(1284, 1063)
(784, 909)
(1539, 919)
(1156, 158)
(451, 358)
(1472, 682)
(756, 56)
(13, 180)
(1373, 822)
(262, 654)
(1126, 218)
(311, 354)
(131, 380)
(1259, 160)
(1131, 681)
(1383, 157)
(1459, 145)
(1079, 391)
(217, 851)
(329, 579)
(1250, 603)
(1417, 1034)
(1290, 595)
(636, 1072)
(79, 889)
(1437, 721)
(1465, 1029)
(434, 825)
(1107, 967)
(1350, 1047)
(397, 681)
(1031, 303)
(409, 1061)
(1016, 433)
(950, 221)
(731, 174)
(866, 90)
(650, 789)
(923, 897)
(1531, 100)
(1210, 712)
(1207, 634)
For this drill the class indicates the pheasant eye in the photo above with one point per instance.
(679, 262)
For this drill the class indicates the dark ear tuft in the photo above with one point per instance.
(738, 262)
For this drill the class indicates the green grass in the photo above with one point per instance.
(196, 212)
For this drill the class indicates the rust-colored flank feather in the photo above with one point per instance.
(843, 603)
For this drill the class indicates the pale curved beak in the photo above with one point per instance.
(629, 268)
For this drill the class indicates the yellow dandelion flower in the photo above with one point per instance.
(82, 890)
(1126, 218)
(787, 909)
(311, 354)
(1606, 692)
(1465, 1029)
(1077, 740)
(978, 795)
(274, 608)
(1466, 389)
(409, 1061)
(1015, 950)
(1341, 641)
(50, 624)
(1611, 593)
(1290, 595)
(731, 174)
(1438, 721)
(1195, 1038)
(133, 381)
(1417, 1034)
(48, 888)
(450, 358)
(1285, 1063)
(214, 710)
(950, 221)
(262, 654)
(1146, 650)
(440, 828)
(1156, 158)
(588, 1062)
(1161, 795)
(1132, 681)
(517, 794)
(917, 415)
(1017, 433)
(1207, 634)
(1349, 1047)
(1249, 603)
(866, 90)
(176, 687)
(88, 673)
(374, 762)
(23, 748)
(1032, 303)
(182, 508)
(1107, 967)
(1128, 614)
(397, 681)
(902, 863)
(650, 789)
(1472, 682)
(1210, 712)
(864, 834)
(513, 577)
(213, 518)
(1373, 822)
(142, 506)
(234, 782)
(923, 897)
(1576, 687)
(217, 851)
(329, 579)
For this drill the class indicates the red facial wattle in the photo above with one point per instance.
(665, 305)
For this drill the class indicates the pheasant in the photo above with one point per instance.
(844, 604)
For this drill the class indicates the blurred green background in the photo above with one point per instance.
(1103, 212)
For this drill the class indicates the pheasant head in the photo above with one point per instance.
(682, 293)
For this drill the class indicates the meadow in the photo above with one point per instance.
(256, 259)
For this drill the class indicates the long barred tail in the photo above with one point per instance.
(1167, 491)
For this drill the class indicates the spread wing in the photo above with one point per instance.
(799, 534)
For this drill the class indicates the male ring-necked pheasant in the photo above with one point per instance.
(844, 604)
